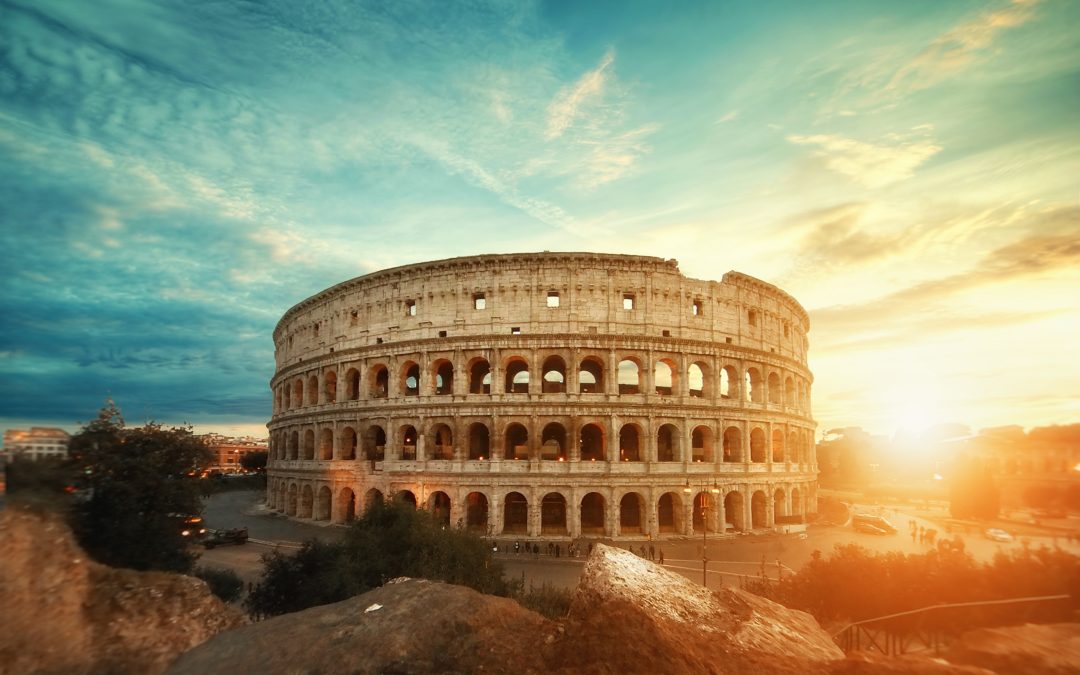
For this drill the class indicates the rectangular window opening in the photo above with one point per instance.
(516, 330)
(410, 308)
(378, 341)
(752, 317)
(697, 308)
(667, 333)
(479, 301)
(442, 333)
(628, 301)
(553, 299)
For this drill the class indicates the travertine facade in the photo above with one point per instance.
(546, 394)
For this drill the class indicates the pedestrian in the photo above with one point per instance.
(652, 552)
(922, 534)
(557, 552)
(914, 534)
(590, 548)
(644, 553)
(517, 547)
(661, 556)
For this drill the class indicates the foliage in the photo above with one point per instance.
(854, 584)
(254, 461)
(390, 540)
(137, 491)
(43, 483)
(213, 486)
(548, 600)
(223, 583)
(972, 490)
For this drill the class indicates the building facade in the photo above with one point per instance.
(228, 452)
(36, 443)
(546, 394)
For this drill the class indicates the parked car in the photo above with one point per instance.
(996, 534)
(237, 535)
(872, 524)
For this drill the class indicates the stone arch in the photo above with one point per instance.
(780, 503)
(796, 503)
(407, 437)
(701, 443)
(286, 396)
(593, 514)
(479, 441)
(379, 381)
(371, 497)
(733, 510)
(348, 443)
(290, 501)
(442, 373)
(405, 497)
(515, 513)
(346, 505)
(476, 512)
(778, 446)
(323, 503)
(517, 376)
(776, 391)
(279, 496)
(790, 394)
(553, 514)
(553, 375)
(553, 442)
(629, 376)
(294, 445)
(754, 386)
(632, 514)
(591, 443)
(669, 516)
(313, 390)
(330, 386)
(375, 443)
(630, 443)
(479, 376)
(326, 443)
(591, 376)
(442, 442)
(667, 443)
(409, 382)
(309, 444)
(666, 377)
(759, 510)
(704, 508)
(352, 384)
(439, 505)
(729, 382)
(298, 392)
(517, 441)
(794, 450)
(697, 380)
(307, 501)
(757, 445)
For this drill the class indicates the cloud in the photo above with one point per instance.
(612, 158)
(564, 109)
(729, 117)
(872, 164)
(959, 47)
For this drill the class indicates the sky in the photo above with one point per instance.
(174, 176)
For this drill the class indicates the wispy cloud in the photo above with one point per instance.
(875, 165)
(566, 107)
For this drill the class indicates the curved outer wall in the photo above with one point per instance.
(550, 394)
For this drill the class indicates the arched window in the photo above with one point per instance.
(408, 442)
(517, 377)
(352, 384)
(696, 380)
(410, 379)
(664, 377)
(480, 377)
(517, 442)
(591, 376)
(444, 378)
(630, 443)
(629, 377)
(553, 442)
(554, 375)
(330, 386)
(479, 442)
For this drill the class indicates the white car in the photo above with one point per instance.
(996, 534)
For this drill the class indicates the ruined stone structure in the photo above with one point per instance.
(546, 394)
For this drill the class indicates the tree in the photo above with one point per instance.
(254, 461)
(138, 492)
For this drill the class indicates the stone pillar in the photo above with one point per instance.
(535, 521)
(682, 388)
(745, 442)
(611, 382)
(573, 515)
(688, 513)
(495, 513)
(612, 440)
(770, 508)
(421, 438)
(748, 508)
(573, 386)
(721, 513)
(460, 386)
(573, 439)
(648, 377)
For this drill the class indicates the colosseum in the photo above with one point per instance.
(547, 395)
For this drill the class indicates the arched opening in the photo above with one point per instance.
(480, 377)
(352, 384)
(517, 442)
(553, 514)
(322, 504)
(629, 377)
(375, 443)
(326, 444)
(439, 505)
(405, 497)
(444, 378)
(553, 443)
(515, 514)
(592, 514)
(794, 449)
(307, 502)
(290, 503)
(796, 503)
(631, 513)
(759, 510)
(346, 505)
(703, 511)
(410, 379)
(309, 444)
(476, 512)
(294, 445)
(757, 445)
(408, 438)
(729, 383)
(313, 390)
(667, 443)
(591, 376)
(733, 511)
(630, 443)
(701, 444)
(380, 382)
(517, 377)
(754, 391)
(298, 393)
(554, 375)
(777, 446)
(442, 445)
(372, 497)
(348, 443)
(330, 386)
(479, 441)
(779, 503)
(696, 381)
(669, 513)
(732, 445)
(776, 392)
(591, 443)
(664, 377)
(286, 391)
(790, 395)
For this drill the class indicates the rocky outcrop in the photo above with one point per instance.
(876, 663)
(406, 626)
(63, 613)
(1048, 649)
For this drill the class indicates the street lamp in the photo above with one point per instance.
(715, 490)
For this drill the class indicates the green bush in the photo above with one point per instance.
(551, 601)
(223, 583)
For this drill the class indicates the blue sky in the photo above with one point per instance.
(174, 176)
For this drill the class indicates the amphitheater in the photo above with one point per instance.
(547, 395)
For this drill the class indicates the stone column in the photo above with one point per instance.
(688, 513)
(611, 382)
(612, 440)
(573, 515)
(535, 521)
(495, 513)
(683, 386)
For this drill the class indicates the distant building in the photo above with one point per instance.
(228, 451)
(36, 443)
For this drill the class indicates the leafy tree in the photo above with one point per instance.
(390, 540)
(223, 583)
(137, 492)
(254, 461)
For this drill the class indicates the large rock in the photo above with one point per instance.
(1045, 649)
(63, 613)
(629, 615)
(406, 626)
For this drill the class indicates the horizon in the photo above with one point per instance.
(175, 179)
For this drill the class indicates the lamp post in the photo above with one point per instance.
(714, 490)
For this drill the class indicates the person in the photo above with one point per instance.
(661, 556)
(557, 550)
(517, 547)
(590, 548)
(652, 552)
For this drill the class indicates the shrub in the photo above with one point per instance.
(551, 601)
(223, 583)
